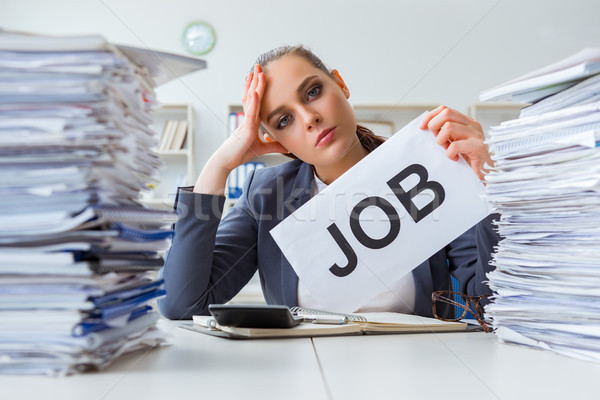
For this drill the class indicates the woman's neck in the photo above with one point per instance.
(329, 173)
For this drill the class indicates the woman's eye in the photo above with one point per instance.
(313, 92)
(283, 121)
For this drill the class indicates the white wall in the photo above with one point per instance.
(428, 51)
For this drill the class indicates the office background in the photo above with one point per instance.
(389, 52)
(434, 51)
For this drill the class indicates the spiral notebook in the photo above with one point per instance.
(349, 324)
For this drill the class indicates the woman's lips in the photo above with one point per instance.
(325, 137)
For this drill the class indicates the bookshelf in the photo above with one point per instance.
(492, 113)
(179, 166)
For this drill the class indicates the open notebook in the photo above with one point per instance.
(357, 324)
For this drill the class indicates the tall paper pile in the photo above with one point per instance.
(546, 185)
(77, 250)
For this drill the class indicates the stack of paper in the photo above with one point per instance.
(549, 80)
(546, 186)
(77, 251)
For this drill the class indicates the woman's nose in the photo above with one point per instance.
(310, 117)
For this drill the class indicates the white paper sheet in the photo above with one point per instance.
(306, 241)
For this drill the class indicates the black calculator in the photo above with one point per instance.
(254, 316)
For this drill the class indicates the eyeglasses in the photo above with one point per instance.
(470, 304)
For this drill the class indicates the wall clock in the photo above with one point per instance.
(198, 38)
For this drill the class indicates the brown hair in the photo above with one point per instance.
(367, 138)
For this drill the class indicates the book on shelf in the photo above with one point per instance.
(234, 120)
(172, 132)
(180, 135)
(167, 135)
(174, 135)
(350, 324)
(237, 177)
(240, 118)
(231, 122)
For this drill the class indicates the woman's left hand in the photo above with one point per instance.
(459, 134)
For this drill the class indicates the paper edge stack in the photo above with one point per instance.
(553, 145)
(95, 266)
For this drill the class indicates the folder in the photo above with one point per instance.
(353, 324)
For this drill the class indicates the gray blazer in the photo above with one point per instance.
(212, 259)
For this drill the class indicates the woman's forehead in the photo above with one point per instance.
(288, 66)
(283, 77)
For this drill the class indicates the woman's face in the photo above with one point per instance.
(307, 111)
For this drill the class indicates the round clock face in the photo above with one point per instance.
(198, 38)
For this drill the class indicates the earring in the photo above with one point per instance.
(341, 82)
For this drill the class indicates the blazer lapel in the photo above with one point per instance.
(302, 190)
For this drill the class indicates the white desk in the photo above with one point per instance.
(196, 366)
(421, 366)
(450, 366)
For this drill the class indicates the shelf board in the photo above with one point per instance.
(182, 152)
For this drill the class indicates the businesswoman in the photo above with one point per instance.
(295, 105)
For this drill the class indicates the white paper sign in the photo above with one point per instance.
(356, 238)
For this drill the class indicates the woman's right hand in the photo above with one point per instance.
(244, 143)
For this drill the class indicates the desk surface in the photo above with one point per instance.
(450, 366)
(428, 366)
(195, 366)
